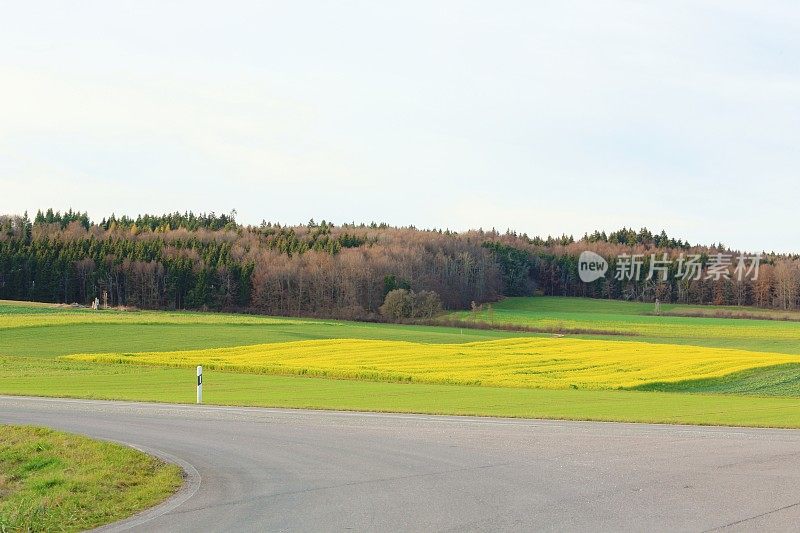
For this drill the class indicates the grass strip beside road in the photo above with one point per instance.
(54, 481)
(177, 385)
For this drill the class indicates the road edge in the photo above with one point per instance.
(190, 486)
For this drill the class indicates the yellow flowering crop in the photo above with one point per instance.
(70, 317)
(554, 363)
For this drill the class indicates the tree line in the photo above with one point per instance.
(209, 261)
(774, 282)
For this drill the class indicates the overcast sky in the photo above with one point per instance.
(544, 117)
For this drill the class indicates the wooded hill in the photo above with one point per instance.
(209, 261)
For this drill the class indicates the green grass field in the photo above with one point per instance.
(54, 481)
(32, 339)
(636, 321)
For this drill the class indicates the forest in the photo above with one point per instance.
(210, 261)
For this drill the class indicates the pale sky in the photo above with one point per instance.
(544, 117)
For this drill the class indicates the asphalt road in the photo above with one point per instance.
(287, 470)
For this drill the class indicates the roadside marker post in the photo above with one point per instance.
(199, 384)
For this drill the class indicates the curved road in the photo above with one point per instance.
(289, 470)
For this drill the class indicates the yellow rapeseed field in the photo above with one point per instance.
(553, 363)
(69, 317)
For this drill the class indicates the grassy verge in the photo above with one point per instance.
(53, 481)
(176, 385)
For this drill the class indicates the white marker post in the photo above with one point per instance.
(199, 384)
